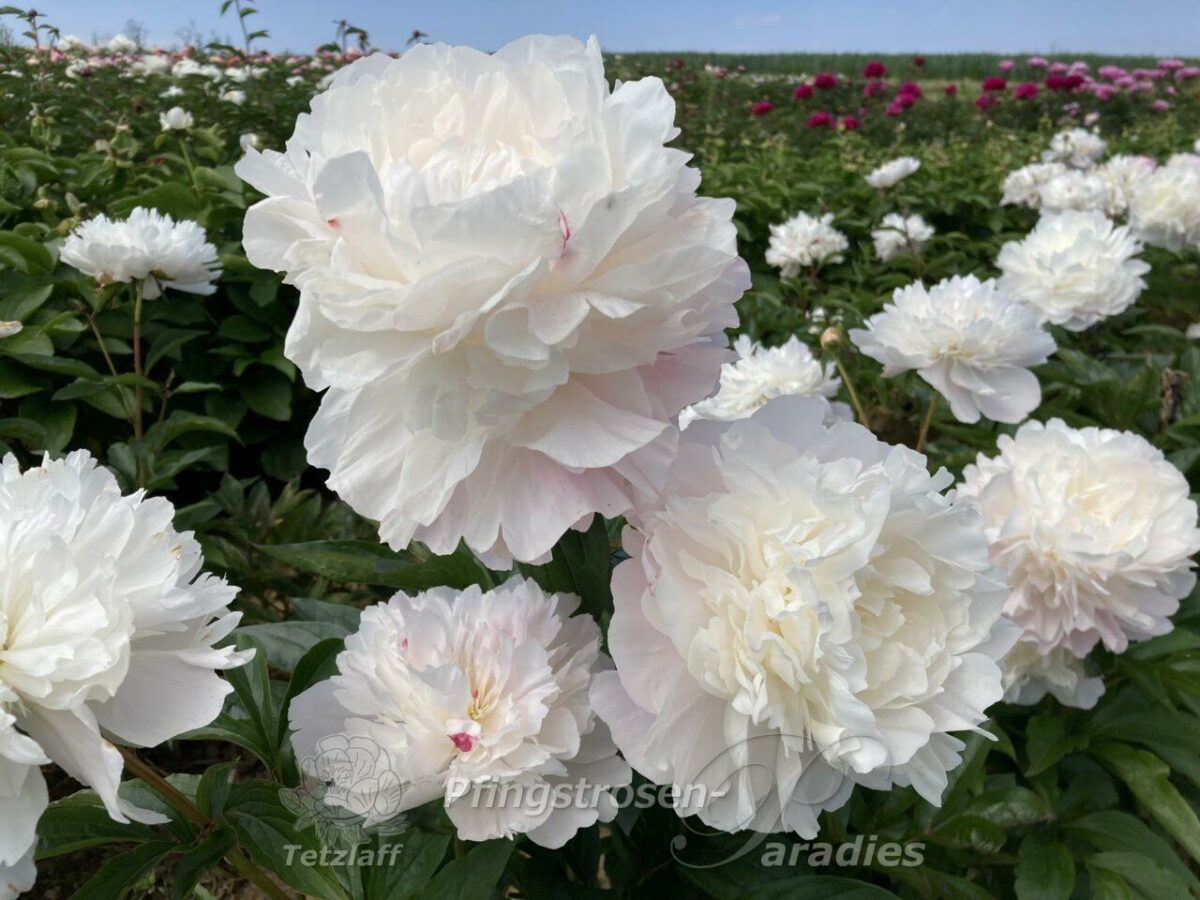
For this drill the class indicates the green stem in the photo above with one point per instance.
(926, 422)
(91, 318)
(187, 161)
(139, 431)
(854, 401)
(188, 810)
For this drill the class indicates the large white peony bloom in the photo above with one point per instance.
(805, 611)
(899, 234)
(106, 623)
(121, 43)
(1030, 673)
(1074, 269)
(176, 119)
(1022, 187)
(477, 698)
(804, 241)
(507, 281)
(967, 338)
(761, 374)
(16, 880)
(1094, 529)
(1074, 189)
(893, 172)
(1165, 208)
(149, 247)
(1075, 147)
(1122, 176)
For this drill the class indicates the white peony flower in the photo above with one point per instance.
(1193, 332)
(761, 374)
(1031, 672)
(804, 241)
(969, 339)
(237, 98)
(176, 119)
(805, 606)
(152, 64)
(1074, 269)
(899, 234)
(1075, 147)
(149, 247)
(1095, 530)
(106, 623)
(467, 695)
(120, 43)
(171, 92)
(1165, 208)
(73, 42)
(892, 173)
(1122, 175)
(1022, 187)
(1074, 189)
(506, 279)
(250, 141)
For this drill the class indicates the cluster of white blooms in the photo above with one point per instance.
(121, 43)
(968, 339)
(1164, 211)
(147, 247)
(805, 605)
(188, 66)
(237, 98)
(466, 694)
(899, 234)
(106, 625)
(804, 241)
(760, 374)
(1022, 187)
(1075, 147)
(506, 279)
(1074, 189)
(892, 173)
(1074, 269)
(176, 119)
(1095, 531)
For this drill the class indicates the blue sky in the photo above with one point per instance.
(1103, 26)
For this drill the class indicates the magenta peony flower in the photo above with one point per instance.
(874, 88)
(919, 62)
(1026, 90)
(849, 123)
(950, 90)
(876, 69)
(825, 81)
(1037, 62)
(911, 88)
(820, 120)
(985, 101)
(803, 91)
(1058, 68)
(994, 83)
(1160, 106)
(1006, 65)
(762, 107)
(893, 109)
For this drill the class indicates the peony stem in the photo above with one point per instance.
(926, 422)
(188, 810)
(91, 318)
(854, 401)
(138, 293)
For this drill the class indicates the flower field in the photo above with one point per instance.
(547, 474)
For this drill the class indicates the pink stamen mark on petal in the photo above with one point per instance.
(404, 643)
(565, 228)
(462, 741)
(333, 223)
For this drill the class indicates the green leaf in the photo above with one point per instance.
(317, 665)
(284, 643)
(270, 835)
(473, 877)
(1116, 830)
(120, 873)
(1147, 777)
(323, 611)
(1045, 870)
(268, 393)
(197, 860)
(1047, 741)
(1011, 807)
(1145, 875)
(56, 419)
(405, 874)
(15, 383)
(81, 821)
(360, 562)
(581, 564)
